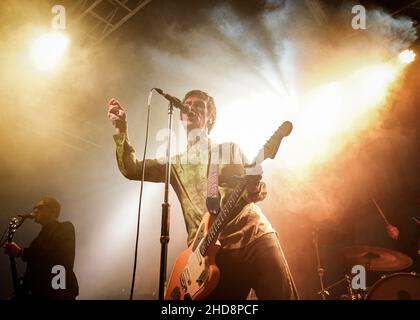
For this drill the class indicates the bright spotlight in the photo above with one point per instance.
(48, 49)
(407, 56)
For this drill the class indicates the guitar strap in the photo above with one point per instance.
(213, 201)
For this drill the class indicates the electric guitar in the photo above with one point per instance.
(195, 273)
(14, 224)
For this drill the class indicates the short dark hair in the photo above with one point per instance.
(211, 107)
(52, 204)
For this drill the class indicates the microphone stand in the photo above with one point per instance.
(164, 237)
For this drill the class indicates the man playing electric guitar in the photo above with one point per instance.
(250, 254)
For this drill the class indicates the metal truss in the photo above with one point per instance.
(415, 5)
(97, 19)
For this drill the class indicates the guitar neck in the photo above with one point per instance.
(15, 279)
(222, 218)
(14, 224)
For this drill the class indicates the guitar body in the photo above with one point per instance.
(195, 276)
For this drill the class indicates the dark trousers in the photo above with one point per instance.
(261, 265)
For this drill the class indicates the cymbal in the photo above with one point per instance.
(377, 258)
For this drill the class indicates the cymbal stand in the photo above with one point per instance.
(350, 288)
(320, 269)
(346, 279)
(332, 286)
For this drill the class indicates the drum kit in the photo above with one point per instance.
(394, 286)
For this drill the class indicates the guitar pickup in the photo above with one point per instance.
(187, 272)
(202, 277)
(183, 283)
(198, 256)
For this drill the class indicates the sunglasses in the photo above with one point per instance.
(198, 105)
(40, 206)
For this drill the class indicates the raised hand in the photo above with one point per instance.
(117, 115)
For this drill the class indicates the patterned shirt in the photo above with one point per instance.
(189, 172)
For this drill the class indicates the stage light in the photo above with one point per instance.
(48, 49)
(407, 56)
(256, 117)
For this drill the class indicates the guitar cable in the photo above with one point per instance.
(1, 239)
(149, 100)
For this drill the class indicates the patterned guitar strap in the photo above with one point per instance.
(213, 201)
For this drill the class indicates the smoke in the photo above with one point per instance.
(263, 61)
(391, 33)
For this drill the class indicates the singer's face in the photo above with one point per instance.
(198, 117)
(43, 213)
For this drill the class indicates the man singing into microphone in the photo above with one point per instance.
(251, 256)
(53, 247)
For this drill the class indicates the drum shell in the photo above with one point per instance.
(396, 286)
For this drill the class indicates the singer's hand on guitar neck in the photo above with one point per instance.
(13, 250)
(253, 186)
(117, 115)
(254, 175)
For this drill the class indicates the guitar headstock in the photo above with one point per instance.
(272, 145)
(14, 224)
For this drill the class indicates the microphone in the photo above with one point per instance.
(175, 101)
(27, 216)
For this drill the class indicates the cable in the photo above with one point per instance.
(1, 239)
(149, 100)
